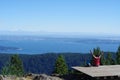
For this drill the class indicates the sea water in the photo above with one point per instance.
(56, 45)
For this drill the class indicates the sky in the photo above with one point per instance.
(90, 17)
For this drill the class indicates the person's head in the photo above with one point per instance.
(97, 55)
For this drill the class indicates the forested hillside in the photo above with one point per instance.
(44, 63)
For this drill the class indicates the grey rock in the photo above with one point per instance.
(46, 77)
(31, 75)
(1, 77)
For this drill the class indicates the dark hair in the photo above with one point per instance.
(97, 55)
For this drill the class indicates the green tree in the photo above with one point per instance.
(61, 66)
(5, 70)
(109, 60)
(102, 60)
(14, 67)
(96, 51)
(118, 56)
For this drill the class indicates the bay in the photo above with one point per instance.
(38, 45)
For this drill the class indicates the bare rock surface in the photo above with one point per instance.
(46, 77)
(31, 77)
(1, 77)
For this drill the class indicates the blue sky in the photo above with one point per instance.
(100, 17)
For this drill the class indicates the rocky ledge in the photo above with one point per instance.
(31, 77)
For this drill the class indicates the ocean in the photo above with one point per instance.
(40, 45)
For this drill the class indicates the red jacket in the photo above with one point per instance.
(96, 61)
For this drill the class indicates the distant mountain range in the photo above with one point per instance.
(39, 37)
(57, 34)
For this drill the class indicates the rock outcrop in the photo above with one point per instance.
(1, 77)
(46, 77)
(31, 77)
(41, 77)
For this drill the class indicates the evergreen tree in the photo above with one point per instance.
(61, 66)
(118, 56)
(5, 70)
(102, 60)
(109, 60)
(96, 51)
(14, 67)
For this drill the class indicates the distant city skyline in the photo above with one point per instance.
(76, 17)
